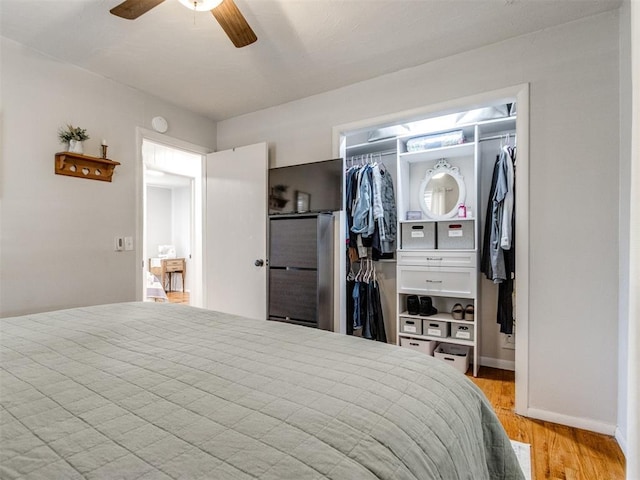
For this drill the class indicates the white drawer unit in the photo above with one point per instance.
(434, 186)
(438, 258)
(451, 282)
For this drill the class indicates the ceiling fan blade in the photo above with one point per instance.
(234, 24)
(132, 9)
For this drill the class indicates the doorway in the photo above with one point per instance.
(378, 130)
(172, 224)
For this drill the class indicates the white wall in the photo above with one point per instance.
(57, 231)
(159, 220)
(574, 155)
(181, 238)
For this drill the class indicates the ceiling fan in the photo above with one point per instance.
(226, 12)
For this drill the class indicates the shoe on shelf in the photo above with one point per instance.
(426, 307)
(413, 305)
(469, 312)
(457, 312)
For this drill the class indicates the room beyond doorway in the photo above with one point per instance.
(172, 223)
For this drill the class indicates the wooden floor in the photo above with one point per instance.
(178, 297)
(557, 452)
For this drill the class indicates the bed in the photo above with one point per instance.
(155, 290)
(159, 391)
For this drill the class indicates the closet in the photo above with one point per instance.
(437, 299)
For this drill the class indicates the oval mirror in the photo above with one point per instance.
(441, 191)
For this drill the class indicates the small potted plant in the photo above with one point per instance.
(277, 199)
(73, 137)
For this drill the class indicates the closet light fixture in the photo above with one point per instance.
(200, 5)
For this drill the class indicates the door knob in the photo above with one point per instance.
(259, 263)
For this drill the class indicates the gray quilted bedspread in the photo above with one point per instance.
(158, 391)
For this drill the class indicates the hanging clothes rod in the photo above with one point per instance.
(367, 158)
(495, 137)
(385, 152)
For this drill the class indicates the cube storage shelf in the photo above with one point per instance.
(443, 262)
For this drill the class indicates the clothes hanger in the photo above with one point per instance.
(367, 276)
(360, 273)
(351, 276)
(372, 276)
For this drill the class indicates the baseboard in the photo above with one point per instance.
(576, 422)
(498, 363)
(622, 441)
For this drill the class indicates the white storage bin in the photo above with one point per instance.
(435, 328)
(411, 325)
(455, 355)
(462, 331)
(423, 346)
(456, 234)
(418, 235)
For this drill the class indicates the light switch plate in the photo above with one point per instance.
(128, 243)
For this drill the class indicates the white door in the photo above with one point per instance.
(235, 246)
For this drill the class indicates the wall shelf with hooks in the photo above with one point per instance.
(84, 166)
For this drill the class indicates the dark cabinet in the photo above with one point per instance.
(301, 269)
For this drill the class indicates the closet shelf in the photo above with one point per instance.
(441, 317)
(496, 125)
(452, 219)
(371, 147)
(84, 166)
(457, 341)
(453, 151)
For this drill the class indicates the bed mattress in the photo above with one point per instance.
(161, 391)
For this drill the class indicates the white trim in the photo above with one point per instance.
(622, 441)
(522, 252)
(498, 363)
(168, 141)
(633, 335)
(570, 421)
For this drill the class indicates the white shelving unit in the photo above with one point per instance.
(448, 276)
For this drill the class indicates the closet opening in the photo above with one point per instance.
(447, 286)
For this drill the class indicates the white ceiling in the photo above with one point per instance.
(304, 47)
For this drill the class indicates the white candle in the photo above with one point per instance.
(104, 142)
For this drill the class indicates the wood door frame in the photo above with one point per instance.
(521, 94)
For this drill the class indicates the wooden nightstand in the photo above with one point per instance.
(167, 268)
